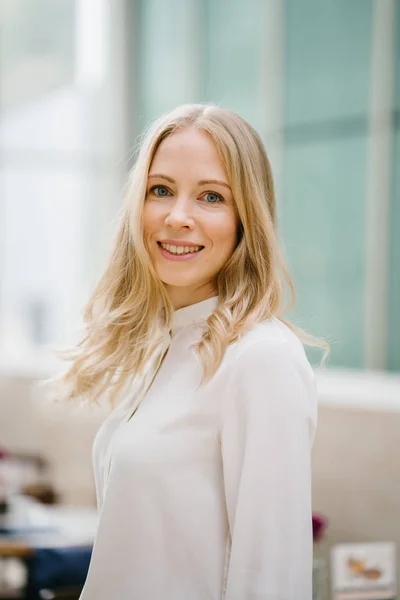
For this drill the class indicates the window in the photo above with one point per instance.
(319, 80)
(61, 164)
(394, 232)
(316, 79)
(326, 134)
(166, 58)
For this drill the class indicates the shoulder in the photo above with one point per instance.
(269, 341)
(269, 361)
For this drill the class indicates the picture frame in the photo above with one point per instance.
(364, 571)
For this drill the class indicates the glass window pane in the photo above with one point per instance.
(166, 56)
(60, 169)
(394, 273)
(234, 56)
(327, 79)
(36, 48)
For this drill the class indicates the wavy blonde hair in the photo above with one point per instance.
(122, 325)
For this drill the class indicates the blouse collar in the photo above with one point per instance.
(195, 313)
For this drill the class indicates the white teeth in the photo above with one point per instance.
(180, 249)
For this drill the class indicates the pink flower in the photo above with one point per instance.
(3, 453)
(319, 524)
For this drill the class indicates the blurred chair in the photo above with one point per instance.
(28, 474)
(70, 593)
(56, 573)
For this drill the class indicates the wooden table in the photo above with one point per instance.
(14, 548)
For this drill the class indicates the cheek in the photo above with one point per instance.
(149, 218)
(223, 232)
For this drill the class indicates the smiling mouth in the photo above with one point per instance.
(180, 250)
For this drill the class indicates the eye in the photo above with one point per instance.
(212, 198)
(160, 191)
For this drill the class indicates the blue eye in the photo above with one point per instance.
(160, 191)
(212, 197)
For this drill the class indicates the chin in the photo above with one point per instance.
(179, 281)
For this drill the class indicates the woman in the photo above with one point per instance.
(203, 468)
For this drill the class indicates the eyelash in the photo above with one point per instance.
(155, 187)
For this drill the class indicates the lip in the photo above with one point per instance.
(179, 243)
(178, 257)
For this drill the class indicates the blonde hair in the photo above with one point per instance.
(122, 325)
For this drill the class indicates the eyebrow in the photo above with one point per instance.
(201, 182)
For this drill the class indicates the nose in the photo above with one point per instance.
(180, 215)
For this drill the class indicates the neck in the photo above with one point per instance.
(182, 296)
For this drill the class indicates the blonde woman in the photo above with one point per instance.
(203, 467)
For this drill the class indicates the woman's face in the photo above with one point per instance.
(190, 220)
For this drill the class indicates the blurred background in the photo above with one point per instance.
(320, 81)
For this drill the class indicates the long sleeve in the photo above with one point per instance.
(268, 425)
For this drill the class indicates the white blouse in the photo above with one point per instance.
(205, 492)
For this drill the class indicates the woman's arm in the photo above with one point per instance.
(268, 425)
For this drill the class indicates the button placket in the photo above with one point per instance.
(152, 373)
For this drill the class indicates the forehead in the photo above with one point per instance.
(189, 149)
